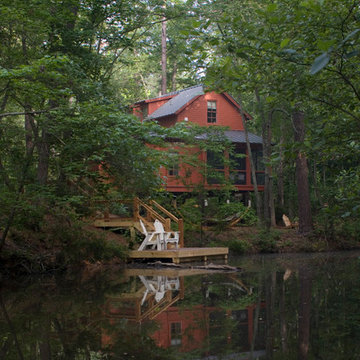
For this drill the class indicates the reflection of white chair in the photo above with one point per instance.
(158, 285)
(172, 283)
(152, 239)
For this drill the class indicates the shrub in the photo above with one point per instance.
(266, 241)
(238, 246)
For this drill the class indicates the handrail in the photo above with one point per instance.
(153, 213)
(165, 211)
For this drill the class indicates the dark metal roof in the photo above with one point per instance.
(177, 102)
(237, 136)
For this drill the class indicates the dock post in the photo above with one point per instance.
(181, 231)
(106, 214)
(136, 209)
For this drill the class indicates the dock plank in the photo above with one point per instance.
(182, 254)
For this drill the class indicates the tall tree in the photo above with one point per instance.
(163, 56)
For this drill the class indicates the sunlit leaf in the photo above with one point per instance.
(349, 36)
(319, 63)
(284, 42)
(352, 54)
(271, 8)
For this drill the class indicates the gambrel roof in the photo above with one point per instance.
(176, 103)
(237, 136)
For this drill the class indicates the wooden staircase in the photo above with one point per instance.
(138, 209)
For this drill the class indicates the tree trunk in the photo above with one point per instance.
(44, 156)
(252, 167)
(163, 57)
(3, 172)
(302, 176)
(173, 77)
(30, 130)
(269, 206)
(281, 172)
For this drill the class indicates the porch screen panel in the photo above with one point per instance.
(238, 167)
(216, 168)
(257, 155)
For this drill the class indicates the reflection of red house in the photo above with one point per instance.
(205, 109)
(185, 328)
(188, 328)
(207, 328)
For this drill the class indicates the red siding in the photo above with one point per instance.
(154, 105)
(227, 114)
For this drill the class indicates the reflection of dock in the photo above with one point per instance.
(183, 254)
(170, 272)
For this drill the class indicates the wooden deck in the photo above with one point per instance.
(139, 210)
(181, 255)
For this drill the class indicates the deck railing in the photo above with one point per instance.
(148, 213)
(153, 214)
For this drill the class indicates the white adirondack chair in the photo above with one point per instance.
(167, 236)
(153, 239)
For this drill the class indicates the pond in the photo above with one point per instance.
(275, 307)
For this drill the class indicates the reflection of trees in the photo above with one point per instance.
(12, 331)
(304, 312)
(313, 314)
(64, 321)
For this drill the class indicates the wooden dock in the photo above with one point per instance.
(182, 255)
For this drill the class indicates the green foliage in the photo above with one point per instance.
(238, 246)
(266, 241)
(76, 243)
(191, 211)
(91, 249)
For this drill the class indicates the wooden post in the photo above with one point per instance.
(132, 233)
(136, 210)
(106, 214)
(181, 231)
(167, 224)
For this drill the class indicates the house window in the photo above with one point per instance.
(238, 167)
(211, 112)
(215, 167)
(173, 170)
(173, 167)
(257, 156)
(175, 333)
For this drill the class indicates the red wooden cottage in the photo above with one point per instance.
(205, 109)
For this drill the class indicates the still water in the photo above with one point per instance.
(276, 307)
